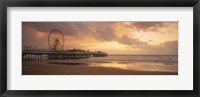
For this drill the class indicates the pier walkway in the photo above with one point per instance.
(31, 55)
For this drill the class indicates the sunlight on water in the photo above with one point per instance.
(113, 65)
(125, 62)
(140, 66)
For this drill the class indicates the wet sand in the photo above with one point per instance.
(57, 69)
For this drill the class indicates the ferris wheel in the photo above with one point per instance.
(56, 40)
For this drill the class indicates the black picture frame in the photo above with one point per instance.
(99, 3)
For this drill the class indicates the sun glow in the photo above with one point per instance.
(106, 45)
(111, 37)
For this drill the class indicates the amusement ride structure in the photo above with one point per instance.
(56, 50)
(56, 40)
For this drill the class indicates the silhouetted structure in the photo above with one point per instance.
(56, 43)
(65, 54)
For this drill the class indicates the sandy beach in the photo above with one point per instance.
(57, 69)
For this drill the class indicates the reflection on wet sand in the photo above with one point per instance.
(141, 66)
(110, 65)
(83, 67)
(60, 68)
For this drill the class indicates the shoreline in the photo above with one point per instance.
(98, 61)
(57, 69)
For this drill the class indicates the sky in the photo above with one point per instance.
(137, 38)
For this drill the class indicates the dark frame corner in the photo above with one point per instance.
(100, 3)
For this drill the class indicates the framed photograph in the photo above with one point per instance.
(77, 48)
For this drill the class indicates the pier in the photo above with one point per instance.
(40, 55)
(55, 50)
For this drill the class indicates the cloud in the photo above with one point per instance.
(34, 38)
(36, 34)
(102, 31)
(131, 41)
(70, 29)
(40, 34)
(146, 26)
(168, 47)
(152, 26)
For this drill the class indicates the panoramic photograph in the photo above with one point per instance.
(100, 48)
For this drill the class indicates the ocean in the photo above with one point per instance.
(111, 64)
(166, 63)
